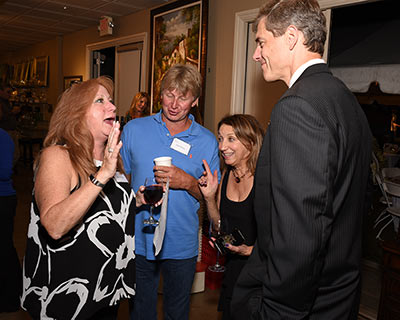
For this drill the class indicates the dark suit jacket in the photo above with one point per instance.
(310, 186)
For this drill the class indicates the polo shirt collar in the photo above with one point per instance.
(193, 130)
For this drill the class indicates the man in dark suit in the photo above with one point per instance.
(310, 181)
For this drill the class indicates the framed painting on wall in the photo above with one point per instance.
(70, 80)
(25, 72)
(31, 75)
(178, 35)
(41, 67)
(17, 73)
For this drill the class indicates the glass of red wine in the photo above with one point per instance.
(153, 193)
(217, 267)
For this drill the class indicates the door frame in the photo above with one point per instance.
(239, 55)
(140, 37)
(239, 50)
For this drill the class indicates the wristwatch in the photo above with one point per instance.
(96, 182)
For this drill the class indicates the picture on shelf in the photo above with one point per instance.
(41, 70)
(17, 73)
(70, 80)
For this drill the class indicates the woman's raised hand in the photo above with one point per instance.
(208, 182)
(111, 151)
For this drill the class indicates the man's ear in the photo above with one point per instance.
(292, 36)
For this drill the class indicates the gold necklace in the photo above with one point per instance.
(238, 178)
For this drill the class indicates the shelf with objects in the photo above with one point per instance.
(32, 119)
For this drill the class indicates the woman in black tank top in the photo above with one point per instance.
(230, 204)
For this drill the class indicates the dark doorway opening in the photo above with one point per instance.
(104, 63)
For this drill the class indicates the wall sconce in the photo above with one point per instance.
(106, 26)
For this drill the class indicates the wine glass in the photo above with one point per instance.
(217, 267)
(153, 193)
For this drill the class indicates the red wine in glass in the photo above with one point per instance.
(153, 193)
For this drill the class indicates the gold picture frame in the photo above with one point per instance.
(178, 35)
(17, 72)
(41, 69)
(24, 72)
(70, 80)
(31, 75)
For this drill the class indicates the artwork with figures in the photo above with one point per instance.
(177, 31)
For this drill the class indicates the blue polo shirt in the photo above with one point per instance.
(6, 164)
(147, 138)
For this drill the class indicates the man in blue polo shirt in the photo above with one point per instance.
(11, 274)
(172, 132)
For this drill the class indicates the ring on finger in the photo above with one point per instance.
(110, 150)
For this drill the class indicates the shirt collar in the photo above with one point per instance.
(157, 117)
(301, 69)
(192, 130)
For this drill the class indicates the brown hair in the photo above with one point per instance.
(68, 126)
(305, 15)
(135, 100)
(249, 132)
(183, 77)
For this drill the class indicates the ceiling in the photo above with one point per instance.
(26, 22)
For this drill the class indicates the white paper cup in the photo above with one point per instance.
(163, 161)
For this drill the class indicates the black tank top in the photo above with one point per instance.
(91, 267)
(238, 214)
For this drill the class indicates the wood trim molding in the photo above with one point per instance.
(239, 55)
(329, 4)
(328, 15)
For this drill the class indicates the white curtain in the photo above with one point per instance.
(358, 79)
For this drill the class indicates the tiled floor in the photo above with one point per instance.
(204, 304)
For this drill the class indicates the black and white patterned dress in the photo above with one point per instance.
(90, 268)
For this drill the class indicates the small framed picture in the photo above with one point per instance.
(70, 80)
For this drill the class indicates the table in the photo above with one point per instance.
(392, 159)
(29, 138)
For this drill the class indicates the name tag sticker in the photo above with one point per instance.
(180, 146)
